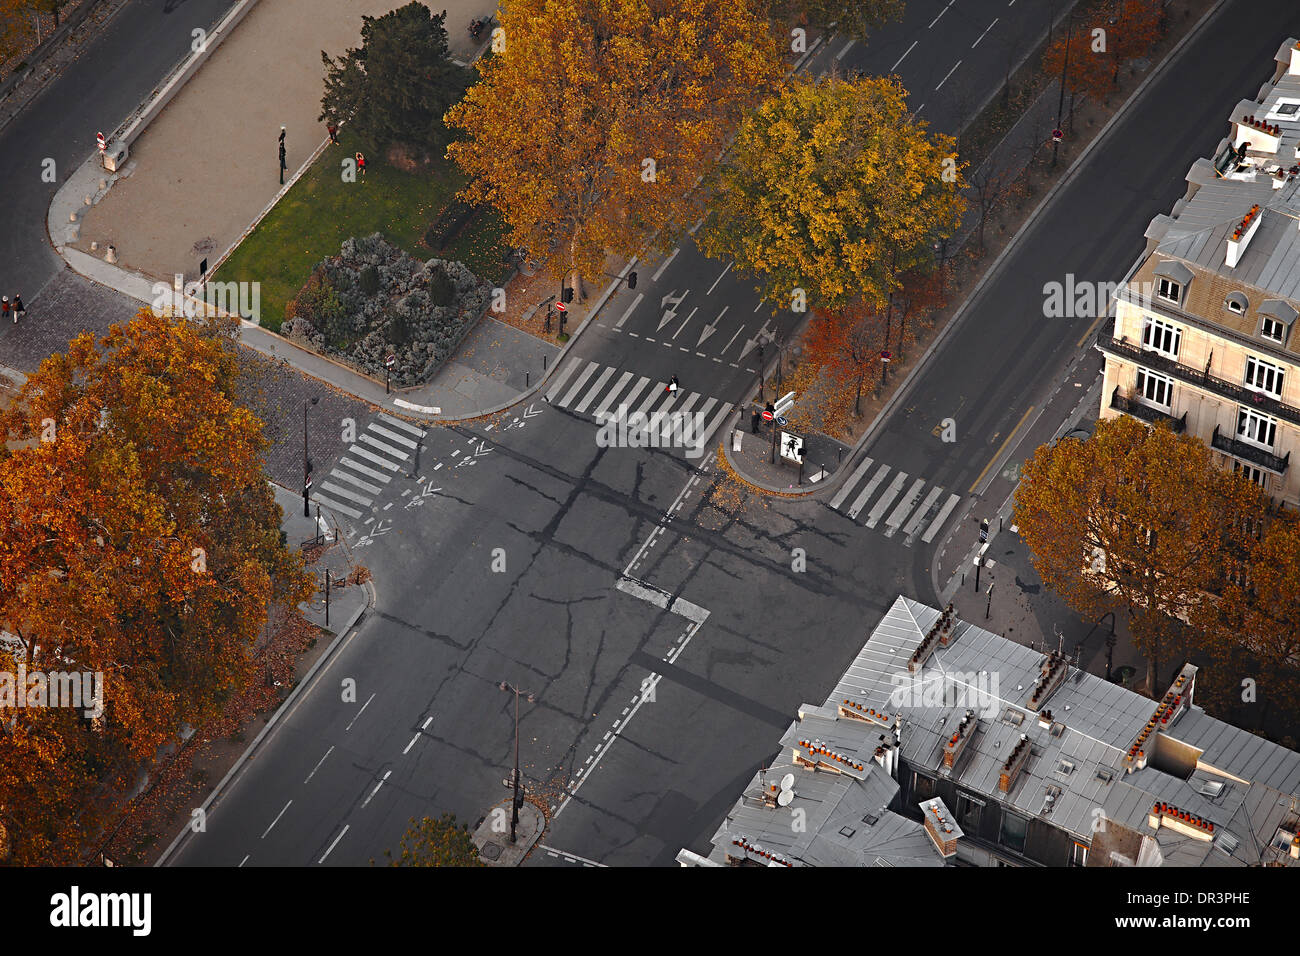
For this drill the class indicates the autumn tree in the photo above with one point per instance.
(1133, 29)
(395, 88)
(594, 120)
(15, 27)
(1081, 52)
(833, 190)
(440, 842)
(141, 543)
(1136, 519)
(852, 18)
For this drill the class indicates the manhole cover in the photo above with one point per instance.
(490, 851)
(205, 246)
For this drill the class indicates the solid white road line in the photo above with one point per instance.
(317, 767)
(666, 263)
(688, 319)
(613, 392)
(868, 491)
(277, 819)
(630, 309)
(363, 485)
(849, 485)
(368, 472)
(873, 519)
(905, 505)
(984, 34)
(398, 423)
(393, 436)
(335, 843)
(385, 447)
(330, 503)
(941, 13)
(937, 523)
(630, 397)
(847, 47)
(387, 774)
(950, 73)
(360, 712)
(922, 511)
(595, 389)
(719, 278)
(572, 393)
(369, 456)
(561, 378)
(903, 57)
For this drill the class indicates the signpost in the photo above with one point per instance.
(389, 362)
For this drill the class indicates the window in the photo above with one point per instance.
(1078, 855)
(968, 812)
(1014, 829)
(1263, 377)
(1162, 337)
(1256, 428)
(1257, 475)
(1272, 329)
(1155, 389)
(922, 787)
(1236, 303)
(1169, 290)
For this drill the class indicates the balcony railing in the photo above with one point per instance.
(1202, 379)
(1128, 406)
(1248, 452)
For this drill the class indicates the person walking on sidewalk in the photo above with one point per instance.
(4, 309)
(333, 130)
(19, 310)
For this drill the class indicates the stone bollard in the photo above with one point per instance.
(72, 216)
(94, 246)
(111, 256)
(87, 201)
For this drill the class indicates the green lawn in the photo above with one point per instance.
(321, 211)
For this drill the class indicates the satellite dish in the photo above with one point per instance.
(787, 782)
(785, 798)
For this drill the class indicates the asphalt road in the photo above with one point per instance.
(106, 82)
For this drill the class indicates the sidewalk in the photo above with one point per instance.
(347, 601)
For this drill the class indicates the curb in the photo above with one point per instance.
(906, 385)
(345, 632)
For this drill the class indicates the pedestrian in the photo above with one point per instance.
(282, 136)
(19, 310)
(4, 308)
(672, 386)
(282, 163)
(333, 130)
(361, 164)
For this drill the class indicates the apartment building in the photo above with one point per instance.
(946, 744)
(1204, 336)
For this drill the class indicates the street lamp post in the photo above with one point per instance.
(1065, 66)
(306, 462)
(515, 801)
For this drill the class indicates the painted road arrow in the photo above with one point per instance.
(670, 314)
(531, 411)
(710, 329)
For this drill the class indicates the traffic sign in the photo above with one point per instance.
(101, 142)
(884, 355)
(782, 422)
(390, 361)
(767, 415)
(1057, 135)
(561, 307)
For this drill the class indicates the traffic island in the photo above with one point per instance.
(799, 463)
(492, 837)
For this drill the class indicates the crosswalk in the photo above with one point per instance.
(904, 504)
(589, 388)
(380, 452)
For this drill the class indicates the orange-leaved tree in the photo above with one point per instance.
(1137, 518)
(593, 120)
(142, 544)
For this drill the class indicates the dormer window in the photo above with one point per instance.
(1171, 280)
(1236, 303)
(1276, 316)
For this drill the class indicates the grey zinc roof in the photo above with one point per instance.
(1101, 720)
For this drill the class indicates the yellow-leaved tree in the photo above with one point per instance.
(593, 120)
(834, 190)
